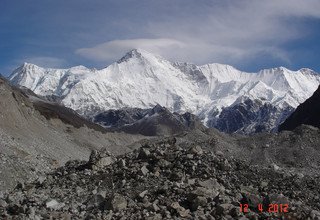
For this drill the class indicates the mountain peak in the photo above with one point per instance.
(278, 69)
(28, 65)
(138, 54)
(137, 51)
(283, 70)
(79, 67)
(21, 70)
(308, 71)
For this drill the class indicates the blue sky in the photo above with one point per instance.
(248, 34)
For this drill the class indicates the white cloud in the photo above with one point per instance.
(113, 50)
(191, 51)
(232, 31)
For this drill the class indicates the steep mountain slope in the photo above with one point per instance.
(142, 80)
(36, 135)
(117, 118)
(307, 113)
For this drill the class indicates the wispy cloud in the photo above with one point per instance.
(249, 34)
(229, 32)
(112, 50)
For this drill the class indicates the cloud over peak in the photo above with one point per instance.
(248, 34)
(229, 32)
(112, 50)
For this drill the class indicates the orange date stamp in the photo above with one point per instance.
(271, 208)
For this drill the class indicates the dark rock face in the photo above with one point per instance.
(193, 72)
(250, 116)
(157, 121)
(130, 54)
(247, 117)
(120, 117)
(307, 113)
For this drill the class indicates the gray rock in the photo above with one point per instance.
(252, 196)
(41, 180)
(202, 191)
(156, 216)
(20, 185)
(191, 181)
(122, 163)
(212, 184)
(224, 209)
(144, 153)
(100, 159)
(32, 212)
(180, 210)
(235, 212)
(243, 218)
(278, 199)
(54, 204)
(155, 207)
(196, 150)
(15, 209)
(105, 161)
(315, 215)
(142, 194)
(144, 170)
(219, 153)
(3, 203)
(96, 200)
(163, 163)
(176, 176)
(199, 201)
(275, 167)
(117, 203)
(264, 184)
(224, 165)
(79, 190)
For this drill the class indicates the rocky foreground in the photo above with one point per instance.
(164, 181)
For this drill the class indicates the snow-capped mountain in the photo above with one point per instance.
(142, 80)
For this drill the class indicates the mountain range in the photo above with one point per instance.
(219, 95)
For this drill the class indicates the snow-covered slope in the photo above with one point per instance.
(142, 80)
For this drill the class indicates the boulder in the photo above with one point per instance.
(196, 150)
(100, 159)
(54, 204)
(116, 203)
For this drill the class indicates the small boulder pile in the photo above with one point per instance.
(163, 181)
